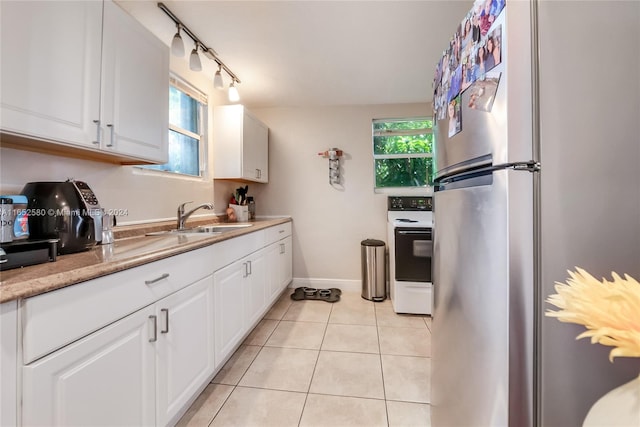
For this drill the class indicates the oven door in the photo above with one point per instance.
(413, 251)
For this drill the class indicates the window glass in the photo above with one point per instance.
(186, 130)
(402, 151)
(183, 110)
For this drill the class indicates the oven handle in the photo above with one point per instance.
(426, 233)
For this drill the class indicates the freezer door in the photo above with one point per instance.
(478, 331)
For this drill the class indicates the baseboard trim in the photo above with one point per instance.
(342, 284)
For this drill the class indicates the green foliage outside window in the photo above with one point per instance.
(402, 152)
(185, 128)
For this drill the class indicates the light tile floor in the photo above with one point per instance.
(312, 363)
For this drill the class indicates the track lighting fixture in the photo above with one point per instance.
(194, 60)
(234, 96)
(177, 46)
(217, 79)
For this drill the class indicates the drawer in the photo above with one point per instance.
(278, 232)
(55, 319)
(229, 251)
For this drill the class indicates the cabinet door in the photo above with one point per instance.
(185, 347)
(105, 378)
(255, 285)
(229, 309)
(274, 271)
(286, 262)
(254, 149)
(280, 267)
(50, 69)
(135, 88)
(9, 365)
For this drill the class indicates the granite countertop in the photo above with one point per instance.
(130, 249)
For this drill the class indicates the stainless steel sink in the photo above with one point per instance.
(208, 229)
(223, 227)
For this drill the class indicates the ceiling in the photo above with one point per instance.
(315, 53)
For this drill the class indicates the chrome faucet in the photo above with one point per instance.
(182, 216)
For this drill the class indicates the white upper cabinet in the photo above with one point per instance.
(135, 88)
(241, 145)
(83, 75)
(50, 69)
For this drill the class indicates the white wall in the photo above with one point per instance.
(145, 196)
(328, 222)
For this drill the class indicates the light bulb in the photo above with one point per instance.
(234, 96)
(217, 80)
(194, 60)
(177, 46)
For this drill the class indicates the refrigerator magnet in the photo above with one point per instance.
(455, 116)
(483, 92)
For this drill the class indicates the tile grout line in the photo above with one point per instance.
(306, 397)
(384, 389)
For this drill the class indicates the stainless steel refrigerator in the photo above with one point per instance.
(532, 180)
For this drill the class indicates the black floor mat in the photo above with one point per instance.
(328, 295)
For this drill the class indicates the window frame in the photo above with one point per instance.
(400, 132)
(202, 99)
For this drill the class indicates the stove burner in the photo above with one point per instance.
(406, 220)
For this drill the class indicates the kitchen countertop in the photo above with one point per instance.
(126, 252)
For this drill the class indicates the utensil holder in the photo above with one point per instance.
(242, 212)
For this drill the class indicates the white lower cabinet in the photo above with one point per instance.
(239, 301)
(280, 267)
(136, 347)
(185, 356)
(255, 285)
(107, 378)
(140, 370)
(9, 363)
(228, 312)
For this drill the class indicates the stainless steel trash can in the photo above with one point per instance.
(374, 273)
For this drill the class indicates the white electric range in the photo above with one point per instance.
(410, 239)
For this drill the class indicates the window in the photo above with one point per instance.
(187, 112)
(402, 153)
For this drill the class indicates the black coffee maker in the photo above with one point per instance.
(68, 211)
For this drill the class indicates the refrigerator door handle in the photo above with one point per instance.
(529, 166)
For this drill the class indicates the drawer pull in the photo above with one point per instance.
(246, 270)
(157, 279)
(154, 319)
(113, 131)
(166, 320)
(280, 231)
(97, 140)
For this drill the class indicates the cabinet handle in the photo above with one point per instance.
(257, 173)
(97, 140)
(154, 319)
(166, 320)
(113, 132)
(282, 248)
(250, 270)
(157, 279)
(246, 270)
(280, 231)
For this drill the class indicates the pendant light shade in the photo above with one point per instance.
(195, 63)
(234, 96)
(194, 60)
(177, 46)
(217, 79)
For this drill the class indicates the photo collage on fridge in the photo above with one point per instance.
(474, 50)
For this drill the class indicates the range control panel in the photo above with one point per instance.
(409, 203)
